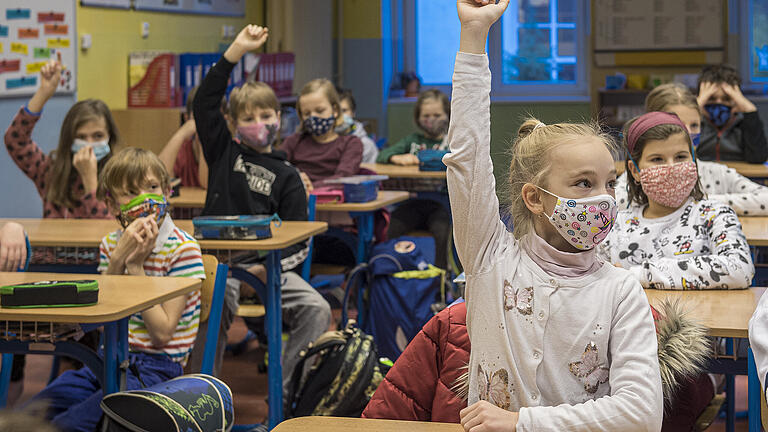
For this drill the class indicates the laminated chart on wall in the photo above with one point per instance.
(120, 4)
(207, 7)
(32, 32)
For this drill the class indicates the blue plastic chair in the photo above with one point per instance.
(7, 359)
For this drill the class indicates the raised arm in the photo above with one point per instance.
(478, 230)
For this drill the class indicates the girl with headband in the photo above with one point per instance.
(673, 238)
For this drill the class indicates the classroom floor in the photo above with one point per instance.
(250, 387)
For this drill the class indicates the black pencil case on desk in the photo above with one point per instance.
(255, 227)
(54, 293)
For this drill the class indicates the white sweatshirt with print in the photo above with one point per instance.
(722, 184)
(576, 354)
(758, 339)
(699, 246)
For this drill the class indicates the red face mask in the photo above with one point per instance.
(669, 185)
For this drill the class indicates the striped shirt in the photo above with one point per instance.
(176, 253)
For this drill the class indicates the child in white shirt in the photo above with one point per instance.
(560, 339)
(719, 182)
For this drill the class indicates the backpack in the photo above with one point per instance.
(194, 402)
(398, 291)
(345, 374)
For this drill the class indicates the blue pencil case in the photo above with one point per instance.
(360, 188)
(432, 160)
(248, 227)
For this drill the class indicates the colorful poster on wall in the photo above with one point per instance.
(120, 4)
(31, 34)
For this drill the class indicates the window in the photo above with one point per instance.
(757, 41)
(538, 48)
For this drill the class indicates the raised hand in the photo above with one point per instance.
(706, 90)
(250, 38)
(476, 18)
(50, 76)
(85, 163)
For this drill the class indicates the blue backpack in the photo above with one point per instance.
(398, 291)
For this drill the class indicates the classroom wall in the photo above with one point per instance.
(506, 118)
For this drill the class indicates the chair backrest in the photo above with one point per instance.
(210, 263)
(306, 267)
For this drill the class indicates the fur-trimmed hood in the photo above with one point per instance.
(683, 349)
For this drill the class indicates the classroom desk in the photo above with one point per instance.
(725, 313)
(755, 230)
(400, 171)
(363, 214)
(346, 424)
(119, 298)
(189, 197)
(743, 168)
(89, 232)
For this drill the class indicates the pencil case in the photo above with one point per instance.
(53, 293)
(432, 160)
(248, 227)
(360, 188)
(327, 195)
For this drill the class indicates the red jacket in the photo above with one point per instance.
(418, 387)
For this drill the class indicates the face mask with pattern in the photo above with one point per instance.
(319, 126)
(669, 185)
(584, 222)
(434, 127)
(142, 206)
(258, 135)
(719, 114)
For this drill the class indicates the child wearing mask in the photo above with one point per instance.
(561, 340)
(318, 150)
(718, 182)
(350, 126)
(247, 177)
(134, 184)
(431, 114)
(67, 178)
(731, 127)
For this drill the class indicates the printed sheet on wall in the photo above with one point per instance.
(31, 33)
(207, 7)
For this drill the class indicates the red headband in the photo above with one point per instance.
(647, 121)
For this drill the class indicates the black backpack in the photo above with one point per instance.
(346, 372)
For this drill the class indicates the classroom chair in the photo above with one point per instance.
(211, 305)
(7, 359)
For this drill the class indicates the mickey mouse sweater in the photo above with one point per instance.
(699, 246)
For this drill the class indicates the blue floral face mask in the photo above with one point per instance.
(719, 114)
(318, 126)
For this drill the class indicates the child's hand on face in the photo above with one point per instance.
(404, 159)
(13, 247)
(50, 75)
(86, 164)
(706, 90)
(144, 234)
(487, 417)
(740, 102)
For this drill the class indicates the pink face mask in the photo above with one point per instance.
(669, 185)
(258, 135)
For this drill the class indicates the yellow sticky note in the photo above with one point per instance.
(58, 43)
(19, 48)
(1, 47)
(35, 67)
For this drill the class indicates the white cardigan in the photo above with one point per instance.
(576, 354)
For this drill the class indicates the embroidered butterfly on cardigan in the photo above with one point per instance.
(589, 370)
(520, 298)
(493, 387)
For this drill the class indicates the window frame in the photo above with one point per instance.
(746, 53)
(512, 92)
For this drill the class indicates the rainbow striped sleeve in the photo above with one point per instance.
(186, 259)
(108, 244)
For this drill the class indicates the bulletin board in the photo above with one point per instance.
(631, 25)
(31, 33)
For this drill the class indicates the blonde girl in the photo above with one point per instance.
(560, 339)
(718, 182)
(67, 178)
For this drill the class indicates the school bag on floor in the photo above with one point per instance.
(346, 371)
(398, 291)
(197, 402)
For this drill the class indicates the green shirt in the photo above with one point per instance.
(413, 144)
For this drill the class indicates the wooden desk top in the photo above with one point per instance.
(189, 197)
(384, 199)
(755, 229)
(89, 232)
(743, 168)
(119, 297)
(344, 424)
(399, 171)
(725, 312)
